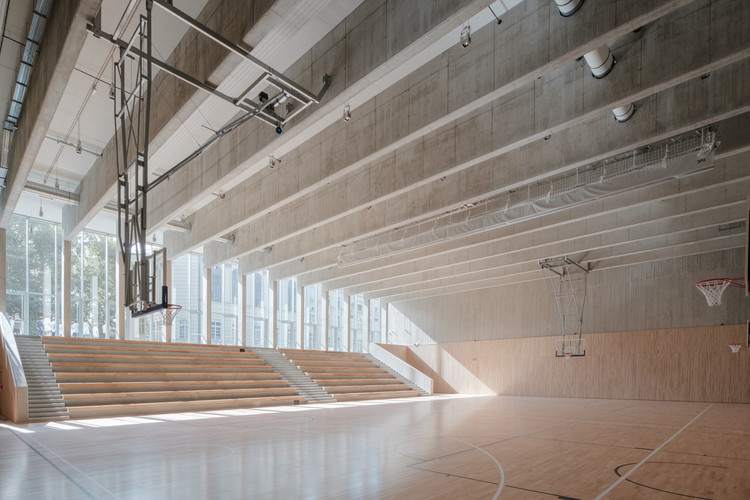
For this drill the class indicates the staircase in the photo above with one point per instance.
(302, 383)
(45, 401)
(350, 376)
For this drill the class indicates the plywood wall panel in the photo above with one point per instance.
(684, 364)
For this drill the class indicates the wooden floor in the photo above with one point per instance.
(434, 447)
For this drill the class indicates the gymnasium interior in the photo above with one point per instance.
(375, 249)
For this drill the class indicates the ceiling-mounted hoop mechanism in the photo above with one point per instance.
(277, 107)
(132, 72)
(565, 280)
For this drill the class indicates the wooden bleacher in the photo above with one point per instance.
(104, 378)
(349, 376)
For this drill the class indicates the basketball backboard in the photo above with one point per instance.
(149, 289)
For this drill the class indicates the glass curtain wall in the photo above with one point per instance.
(358, 321)
(34, 263)
(314, 310)
(258, 310)
(337, 322)
(377, 321)
(224, 304)
(93, 286)
(187, 291)
(286, 314)
(34, 280)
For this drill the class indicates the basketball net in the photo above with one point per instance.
(169, 313)
(713, 289)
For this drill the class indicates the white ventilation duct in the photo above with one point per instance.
(601, 61)
(623, 113)
(568, 7)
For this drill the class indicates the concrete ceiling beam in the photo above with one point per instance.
(64, 35)
(661, 116)
(433, 99)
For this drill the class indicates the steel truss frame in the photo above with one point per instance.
(567, 302)
(296, 97)
(132, 106)
(131, 81)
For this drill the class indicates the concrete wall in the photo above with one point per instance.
(684, 364)
(653, 295)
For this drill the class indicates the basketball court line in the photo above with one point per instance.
(656, 450)
(69, 477)
(502, 472)
(500, 467)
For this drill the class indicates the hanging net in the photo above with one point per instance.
(713, 288)
(169, 312)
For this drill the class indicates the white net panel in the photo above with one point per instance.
(735, 348)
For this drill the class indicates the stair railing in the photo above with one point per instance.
(14, 391)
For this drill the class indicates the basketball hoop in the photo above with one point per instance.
(169, 312)
(568, 355)
(735, 348)
(713, 288)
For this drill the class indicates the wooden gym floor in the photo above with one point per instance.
(434, 447)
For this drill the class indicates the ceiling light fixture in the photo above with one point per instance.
(347, 112)
(79, 148)
(499, 21)
(466, 36)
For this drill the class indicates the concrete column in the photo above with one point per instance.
(67, 289)
(207, 303)
(367, 326)
(242, 310)
(121, 294)
(301, 316)
(3, 265)
(348, 323)
(274, 313)
(168, 272)
(384, 307)
(325, 319)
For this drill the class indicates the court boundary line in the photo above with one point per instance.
(656, 450)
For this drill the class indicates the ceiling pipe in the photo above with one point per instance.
(600, 60)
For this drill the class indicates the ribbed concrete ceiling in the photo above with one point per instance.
(436, 126)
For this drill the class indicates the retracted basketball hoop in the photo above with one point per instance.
(168, 313)
(713, 288)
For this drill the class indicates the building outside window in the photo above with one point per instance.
(337, 322)
(186, 290)
(224, 297)
(216, 334)
(258, 310)
(358, 321)
(286, 314)
(314, 309)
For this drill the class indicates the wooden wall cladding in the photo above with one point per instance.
(687, 364)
